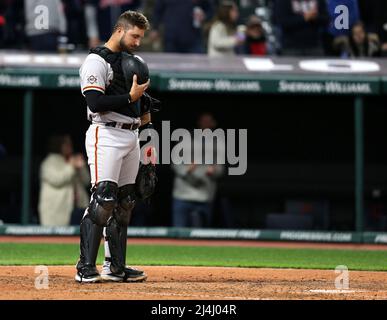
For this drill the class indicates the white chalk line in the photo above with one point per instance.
(170, 294)
(334, 291)
(345, 291)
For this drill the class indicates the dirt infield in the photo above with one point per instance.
(208, 283)
(204, 283)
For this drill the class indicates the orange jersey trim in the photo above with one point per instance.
(95, 155)
(93, 87)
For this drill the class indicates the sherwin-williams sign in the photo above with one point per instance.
(205, 83)
(292, 85)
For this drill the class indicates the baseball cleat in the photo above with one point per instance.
(114, 277)
(129, 274)
(88, 274)
(87, 279)
(135, 275)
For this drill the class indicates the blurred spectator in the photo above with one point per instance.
(264, 10)
(374, 15)
(334, 32)
(64, 177)
(223, 38)
(76, 29)
(358, 44)
(195, 185)
(91, 23)
(260, 8)
(182, 22)
(11, 23)
(302, 23)
(101, 16)
(44, 26)
(255, 43)
(150, 42)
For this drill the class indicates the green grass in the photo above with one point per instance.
(67, 254)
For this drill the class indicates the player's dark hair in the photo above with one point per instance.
(132, 19)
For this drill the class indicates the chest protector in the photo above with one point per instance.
(119, 85)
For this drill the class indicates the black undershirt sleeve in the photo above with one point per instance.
(98, 102)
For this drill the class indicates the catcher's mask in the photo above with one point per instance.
(134, 64)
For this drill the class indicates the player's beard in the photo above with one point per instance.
(123, 46)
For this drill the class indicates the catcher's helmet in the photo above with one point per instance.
(133, 64)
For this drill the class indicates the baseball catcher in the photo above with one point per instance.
(113, 82)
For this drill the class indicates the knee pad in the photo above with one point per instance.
(126, 203)
(103, 201)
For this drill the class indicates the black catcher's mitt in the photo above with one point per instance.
(146, 181)
(149, 104)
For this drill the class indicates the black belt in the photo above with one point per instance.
(127, 126)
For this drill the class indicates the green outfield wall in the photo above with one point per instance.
(227, 234)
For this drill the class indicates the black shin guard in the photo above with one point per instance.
(116, 230)
(114, 235)
(102, 204)
(91, 235)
